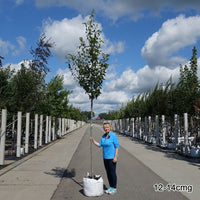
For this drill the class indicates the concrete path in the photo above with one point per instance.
(170, 166)
(32, 178)
(135, 180)
(56, 176)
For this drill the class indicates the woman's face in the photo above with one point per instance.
(106, 128)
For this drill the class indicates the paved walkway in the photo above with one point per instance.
(56, 172)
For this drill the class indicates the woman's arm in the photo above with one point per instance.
(116, 155)
(94, 141)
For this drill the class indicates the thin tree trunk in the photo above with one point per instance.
(91, 135)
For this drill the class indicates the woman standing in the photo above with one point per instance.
(110, 144)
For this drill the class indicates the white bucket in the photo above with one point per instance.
(93, 187)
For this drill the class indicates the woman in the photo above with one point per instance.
(109, 143)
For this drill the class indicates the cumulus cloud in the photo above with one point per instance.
(69, 81)
(66, 34)
(5, 47)
(108, 100)
(17, 66)
(113, 97)
(174, 35)
(145, 78)
(119, 90)
(116, 9)
(21, 43)
(113, 47)
(19, 2)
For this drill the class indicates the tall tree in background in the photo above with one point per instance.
(28, 84)
(89, 65)
(41, 54)
(39, 65)
(1, 61)
(188, 86)
(5, 89)
(24, 90)
(55, 102)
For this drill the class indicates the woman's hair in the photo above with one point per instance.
(105, 123)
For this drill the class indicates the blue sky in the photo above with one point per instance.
(146, 40)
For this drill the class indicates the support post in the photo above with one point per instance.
(157, 130)
(49, 139)
(133, 128)
(53, 129)
(145, 128)
(27, 132)
(19, 133)
(163, 131)
(186, 129)
(3, 136)
(149, 130)
(46, 130)
(137, 128)
(41, 128)
(63, 128)
(59, 127)
(176, 127)
(36, 132)
(140, 127)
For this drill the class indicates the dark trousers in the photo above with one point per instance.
(111, 172)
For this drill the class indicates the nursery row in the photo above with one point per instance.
(27, 133)
(182, 134)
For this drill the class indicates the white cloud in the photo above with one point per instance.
(113, 47)
(5, 47)
(66, 33)
(116, 9)
(119, 90)
(108, 100)
(112, 97)
(174, 35)
(145, 78)
(110, 72)
(19, 2)
(17, 66)
(69, 81)
(21, 42)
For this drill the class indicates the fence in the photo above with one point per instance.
(180, 134)
(26, 134)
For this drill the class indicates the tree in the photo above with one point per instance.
(89, 65)
(88, 114)
(25, 93)
(41, 54)
(56, 100)
(1, 61)
(5, 75)
(188, 86)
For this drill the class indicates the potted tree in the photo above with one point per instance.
(88, 67)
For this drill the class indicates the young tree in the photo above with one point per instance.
(89, 65)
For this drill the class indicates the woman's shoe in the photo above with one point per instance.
(113, 191)
(108, 190)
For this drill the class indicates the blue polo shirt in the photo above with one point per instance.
(109, 145)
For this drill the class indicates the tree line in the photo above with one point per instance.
(26, 89)
(165, 99)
